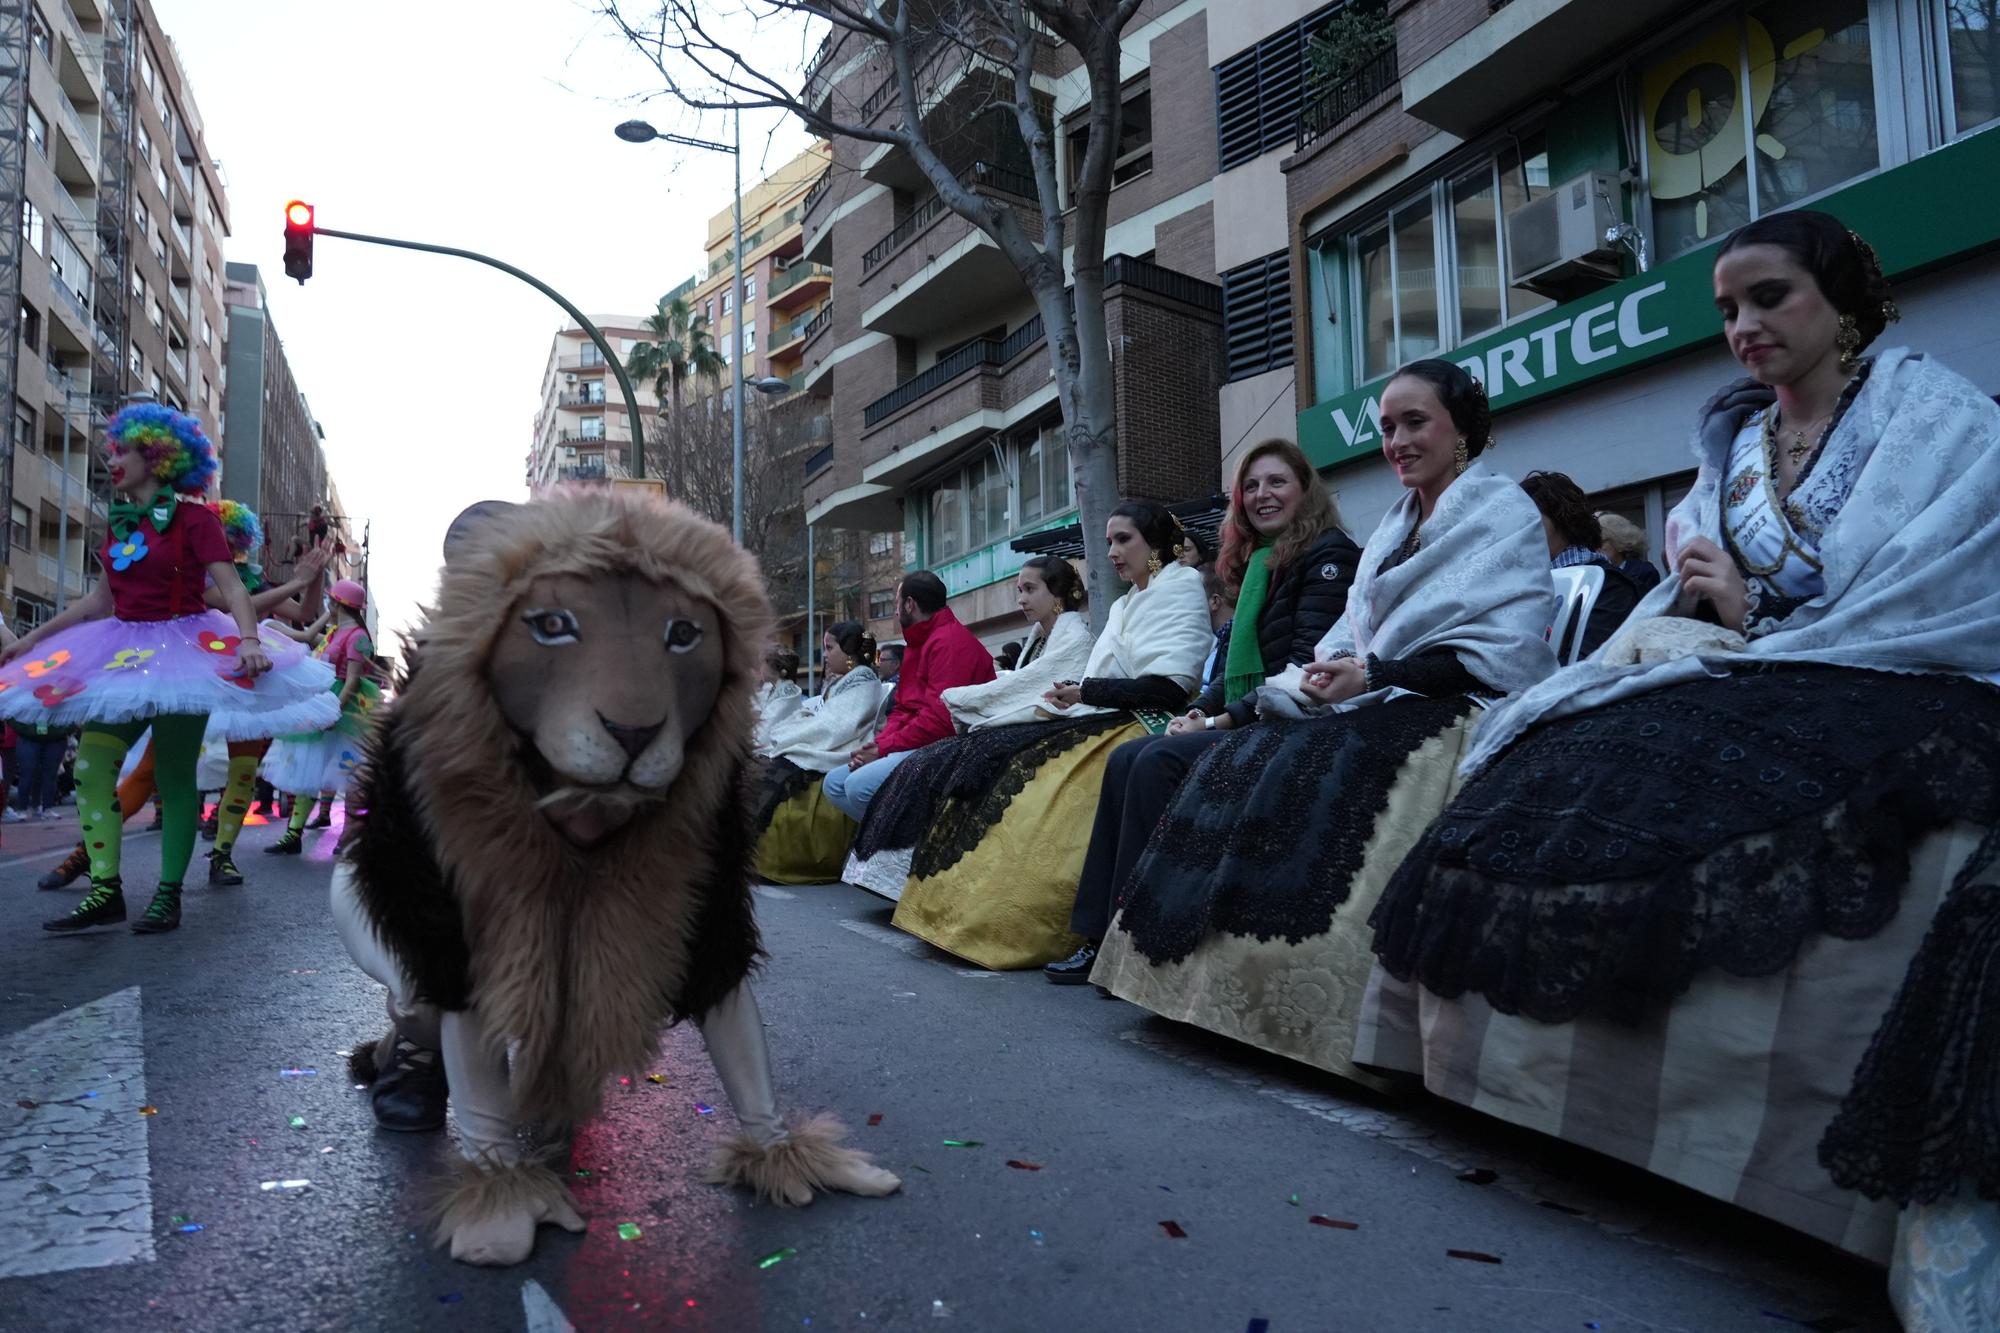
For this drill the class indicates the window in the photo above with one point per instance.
(1430, 271)
(591, 429)
(1135, 136)
(138, 286)
(160, 178)
(38, 130)
(986, 501)
(726, 298)
(142, 215)
(67, 266)
(40, 34)
(1806, 67)
(153, 382)
(31, 325)
(749, 337)
(31, 225)
(1260, 92)
(1257, 316)
(160, 248)
(157, 313)
(1047, 485)
(999, 492)
(882, 604)
(881, 543)
(749, 288)
(147, 73)
(145, 146)
(24, 425)
(135, 361)
(20, 531)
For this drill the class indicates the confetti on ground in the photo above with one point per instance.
(149, 1110)
(178, 1218)
(88, 1095)
(1334, 1222)
(629, 1231)
(875, 1119)
(939, 1310)
(1293, 1201)
(656, 1078)
(624, 1081)
(297, 1122)
(1020, 1165)
(1035, 1236)
(926, 1170)
(703, 1108)
(270, 1185)
(343, 1054)
(188, 1227)
(1168, 1188)
(1476, 1256)
(1173, 1230)
(325, 1150)
(776, 1257)
(963, 1143)
(287, 1073)
(1479, 1175)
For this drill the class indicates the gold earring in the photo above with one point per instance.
(1848, 340)
(1153, 564)
(1461, 458)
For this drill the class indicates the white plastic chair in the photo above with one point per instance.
(1577, 588)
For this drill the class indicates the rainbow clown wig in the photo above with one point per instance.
(172, 443)
(240, 528)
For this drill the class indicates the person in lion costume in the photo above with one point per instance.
(551, 857)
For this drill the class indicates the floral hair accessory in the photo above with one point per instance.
(173, 444)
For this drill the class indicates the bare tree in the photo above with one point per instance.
(690, 450)
(699, 51)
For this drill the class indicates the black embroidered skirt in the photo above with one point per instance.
(1607, 859)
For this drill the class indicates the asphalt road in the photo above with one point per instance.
(1125, 1122)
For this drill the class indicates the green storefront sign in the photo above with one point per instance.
(1917, 216)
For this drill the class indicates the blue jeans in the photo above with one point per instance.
(851, 790)
(39, 762)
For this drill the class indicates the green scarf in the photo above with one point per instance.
(125, 517)
(1243, 669)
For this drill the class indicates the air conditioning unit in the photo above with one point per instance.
(1556, 244)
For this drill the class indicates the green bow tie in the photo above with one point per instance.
(125, 517)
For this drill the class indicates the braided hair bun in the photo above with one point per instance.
(1843, 265)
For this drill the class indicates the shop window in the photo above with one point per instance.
(1257, 316)
(1135, 136)
(1767, 107)
(1972, 50)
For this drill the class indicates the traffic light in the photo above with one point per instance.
(299, 240)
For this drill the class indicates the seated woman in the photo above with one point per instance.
(779, 696)
(1287, 565)
(1247, 911)
(1050, 594)
(1683, 880)
(802, 837)
(992, 879)
(1574, 537)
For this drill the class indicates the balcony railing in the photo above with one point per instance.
(578, 437)
(796, 274)
(791, 331)
(582, 400)
(820, 460)
(583, 472)
(1338, 103)
(591, 360)
(817, 191)
(980, 175)
(988, 352)
(1124, 270)
(820, 323)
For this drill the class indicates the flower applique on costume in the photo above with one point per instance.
(128, 659)
(129, 552)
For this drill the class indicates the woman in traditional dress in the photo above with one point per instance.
(1050, 594)
(993, 876)
(1683, 880)
(1287, 565)
(1247, 912)
(321, 764)
(802, 836)
(779, 696)
(142, 650)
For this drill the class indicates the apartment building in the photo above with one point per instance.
(782, 292)
(1452, 199)
(583, 430)
(934, 364)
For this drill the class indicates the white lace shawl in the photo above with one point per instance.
(1909, 558)
(1159, 630)
(1014, 696)
(1479, 585)
(824, 731)
(775, 701)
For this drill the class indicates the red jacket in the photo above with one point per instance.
(942, 654)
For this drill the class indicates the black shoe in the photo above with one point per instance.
(291, 844)
(409, 1095)
(325, 817)
(162, 914)
(104, 905)
(222, 870)
(208, 829)
(69, 872)
(1073, 970)
(159, 821)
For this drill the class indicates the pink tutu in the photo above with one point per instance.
(129, 670)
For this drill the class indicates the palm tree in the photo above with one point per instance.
(681, 346)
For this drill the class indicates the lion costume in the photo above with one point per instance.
(552, 849)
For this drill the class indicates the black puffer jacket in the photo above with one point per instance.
(1305, 598)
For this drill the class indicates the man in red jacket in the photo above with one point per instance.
(942, 654)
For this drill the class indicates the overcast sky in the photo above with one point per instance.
(481, 125)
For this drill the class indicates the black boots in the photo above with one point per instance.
(104, 905)
(409, 1093)
(222, 870)
(325, 817)
(1073, 970)
(162, 914)
(72, 869)
(291, 844)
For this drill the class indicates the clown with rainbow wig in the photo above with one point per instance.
(142, 649)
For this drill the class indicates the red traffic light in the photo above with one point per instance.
(298, 240)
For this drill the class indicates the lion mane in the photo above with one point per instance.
(579, 956)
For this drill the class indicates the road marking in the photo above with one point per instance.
(543, 1314)
(773, 892)
(908, 944)
(75, 1177)
(58, 853)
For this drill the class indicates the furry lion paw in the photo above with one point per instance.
(808, 1161)
(489, 1216)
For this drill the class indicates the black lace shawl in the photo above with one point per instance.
(409, 897)
(1922, 1121)
(1269, 829)
(777, 781)
(1606, 859)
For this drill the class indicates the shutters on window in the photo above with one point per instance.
(1257, 316)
